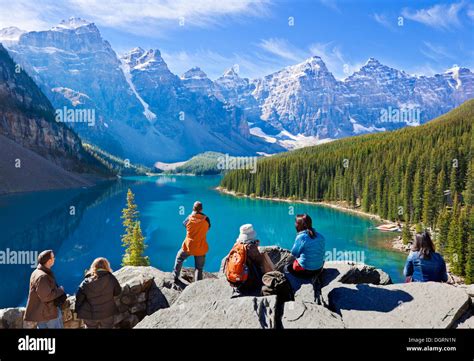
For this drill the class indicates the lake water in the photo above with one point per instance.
(38, 221)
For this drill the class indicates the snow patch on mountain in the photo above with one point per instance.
(71, 24)
(260, 133)
(360, 129)
(75, 97)
(128, 77)
(288, 140)
(11, 34)
(454, 73)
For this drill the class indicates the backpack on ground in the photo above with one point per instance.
(275, 283)
(236, 270)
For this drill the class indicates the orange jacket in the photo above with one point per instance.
(197, 225)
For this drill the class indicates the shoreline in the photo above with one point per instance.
(335, 205)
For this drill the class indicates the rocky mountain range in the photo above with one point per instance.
(145, 113)
(37, 151)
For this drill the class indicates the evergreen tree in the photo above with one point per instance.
(429, 199)
(469, 193)
(470, 250)
(134, 253)
(441, 239)
(454, 236)
(130, 217)
(417, 196)
(407, 237)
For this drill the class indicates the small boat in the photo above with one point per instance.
(389, 228)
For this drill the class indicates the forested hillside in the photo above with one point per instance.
(202, 164)
(419, 175)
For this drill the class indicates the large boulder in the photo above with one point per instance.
(243, 312)
(309, 315)
(408, 305)
(207, 290)
(12, 317)
(159, 286)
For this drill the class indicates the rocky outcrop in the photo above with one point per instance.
(409, 305)
(309, 315)
(245, 312)
(346, 296)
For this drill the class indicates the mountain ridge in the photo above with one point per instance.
(139, 100)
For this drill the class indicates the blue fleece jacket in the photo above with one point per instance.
(309, 251)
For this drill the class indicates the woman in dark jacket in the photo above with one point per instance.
(95, 302)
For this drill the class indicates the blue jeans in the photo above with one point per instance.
(54, 323)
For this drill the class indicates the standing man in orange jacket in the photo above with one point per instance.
(197, 224)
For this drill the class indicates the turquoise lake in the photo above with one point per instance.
(42, 220)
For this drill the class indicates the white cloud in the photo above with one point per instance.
(441, 16)
(331, 4)
(196, 13)
(384, 21)
(334, 59)
(435, 52)
(143, 17)
(26, 15)
(214, 64)
(470, 11)
(283, 49)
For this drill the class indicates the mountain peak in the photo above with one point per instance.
(194, 73)
(231, 73)
(71, 24)
(11, 33)
(372, 62)
(314, 63)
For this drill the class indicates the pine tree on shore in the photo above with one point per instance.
(134, 254)
(407, 237)
(130, 216)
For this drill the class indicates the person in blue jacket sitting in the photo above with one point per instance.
(308, 249)
(423, 263)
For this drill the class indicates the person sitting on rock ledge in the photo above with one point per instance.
(95, 302)
(245, 265)
(308, 249)
(423, 263)
(197, 225)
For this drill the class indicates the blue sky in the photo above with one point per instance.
(262, 36)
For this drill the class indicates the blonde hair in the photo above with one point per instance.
(99, 263)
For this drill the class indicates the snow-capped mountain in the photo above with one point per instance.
(146, 113)
(307, 103)
(10, 34)
(143, 112)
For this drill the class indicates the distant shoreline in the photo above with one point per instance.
(335, 205)
(396, 243)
